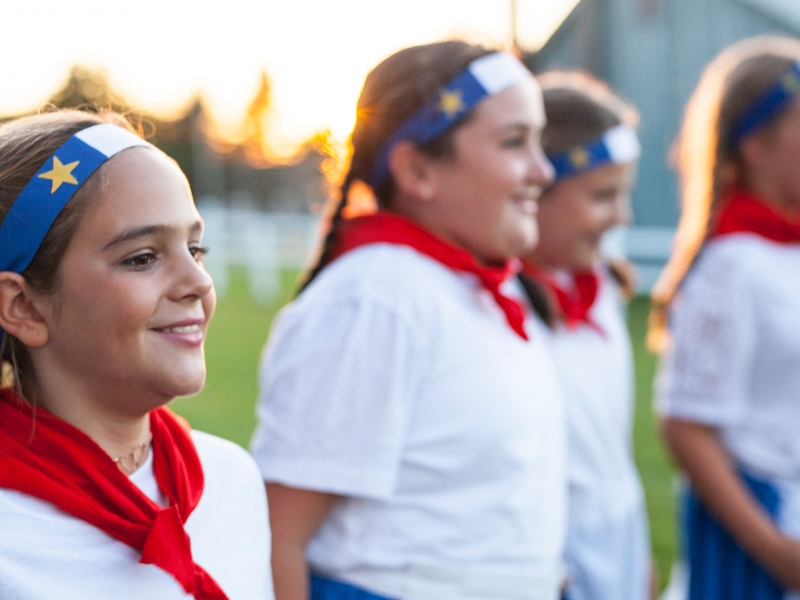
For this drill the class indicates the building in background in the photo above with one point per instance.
(652, 52)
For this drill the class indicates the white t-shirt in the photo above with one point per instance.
(397, 383)
(46, 553)
(734, 358)
(608, 553)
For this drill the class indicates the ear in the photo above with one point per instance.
(18, 314)
(413, 171)
(754, 148)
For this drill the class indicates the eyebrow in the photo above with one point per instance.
(139, 232)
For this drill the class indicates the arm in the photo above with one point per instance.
(294, 517)
(698, 451)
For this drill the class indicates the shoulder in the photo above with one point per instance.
(386, 280)
(382, 272)
(224, 461)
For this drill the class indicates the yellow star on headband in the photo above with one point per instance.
(790, 82)
(451, 103)
(579, 158)
(60, 174)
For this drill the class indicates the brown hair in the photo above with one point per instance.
(25, 145)
(707, 161)
(392, 92)
(580, 108)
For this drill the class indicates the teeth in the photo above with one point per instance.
(184, 329)
(529, 206)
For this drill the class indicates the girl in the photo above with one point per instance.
(409, 433)
(104, 306)
(590, 140)
(729, 379)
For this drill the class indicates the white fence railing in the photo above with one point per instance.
(261, 242)
(264, 243)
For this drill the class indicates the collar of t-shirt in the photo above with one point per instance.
(49, 459)
(385, 227)
(745, 213)
(573, 293)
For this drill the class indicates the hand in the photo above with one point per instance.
(654, 580)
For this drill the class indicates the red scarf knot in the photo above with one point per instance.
(574, 305)
(743, 212)
(390, 228)
(51, 460)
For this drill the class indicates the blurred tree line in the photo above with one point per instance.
(243, 171)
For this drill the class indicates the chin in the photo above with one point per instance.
(523, 241)
(188, 383)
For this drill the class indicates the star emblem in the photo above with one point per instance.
(60, 173)
(451, 103)
(579, 158)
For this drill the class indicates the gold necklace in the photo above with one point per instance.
(128, 463)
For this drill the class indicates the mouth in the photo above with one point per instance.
(527, 204)
(187, 333)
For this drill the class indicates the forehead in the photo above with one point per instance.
(141, 186)
(519, 104)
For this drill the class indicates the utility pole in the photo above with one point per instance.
(514, 41)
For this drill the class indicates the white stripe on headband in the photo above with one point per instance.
(618, 145)
(498, 71)
(483, 77)
(110, 139)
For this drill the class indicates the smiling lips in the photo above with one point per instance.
(527, 203)
(186, 333)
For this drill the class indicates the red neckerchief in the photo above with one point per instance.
(744, 213)
(573, 305)
(393, 229)
(53, 461)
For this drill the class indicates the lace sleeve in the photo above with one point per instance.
(704, 374)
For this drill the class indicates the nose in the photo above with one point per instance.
(540, 171)
(192, 281)
(622, 210)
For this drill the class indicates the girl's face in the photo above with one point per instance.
(576, 211)
(129, 318)
(486, 196)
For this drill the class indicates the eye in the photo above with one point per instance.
(140, 261)
(514, 141)
(198, 252)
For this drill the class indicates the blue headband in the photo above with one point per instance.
(768, 104)
(483, 77)
(618, 145)
(46, 194)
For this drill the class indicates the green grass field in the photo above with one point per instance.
(238, 331)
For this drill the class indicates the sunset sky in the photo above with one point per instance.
(159, 53)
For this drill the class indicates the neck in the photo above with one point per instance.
(94, 411)
(766, 190)
(429, 218)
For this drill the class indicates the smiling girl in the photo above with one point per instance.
(729, 380)
(591, 142)
(410, 433)
(104, 308)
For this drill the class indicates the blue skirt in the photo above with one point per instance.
(323, 588)
(719, 569)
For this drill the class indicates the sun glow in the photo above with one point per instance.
(315, 53)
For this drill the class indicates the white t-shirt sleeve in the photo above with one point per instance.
(705, 373)
(336, 382)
